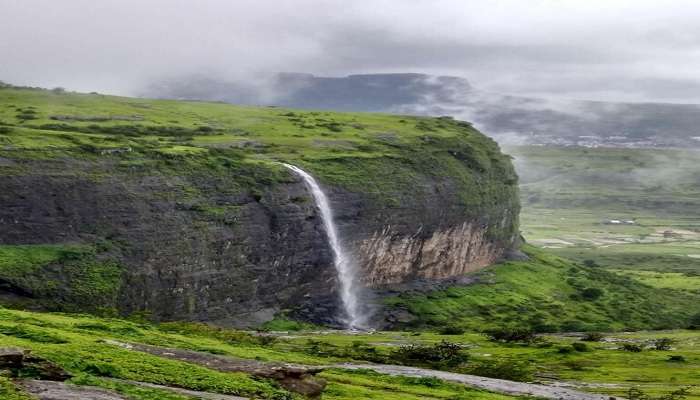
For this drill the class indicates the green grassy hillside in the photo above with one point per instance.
(549, 294)
(344, 149)
(77, 343)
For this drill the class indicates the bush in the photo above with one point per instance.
(663, 344)
(452, 330)
(676, 358)
(694, 322)
(591, 263)
(638, 394)
(579, 346)
(505, 369)
(511, 335)
(593, 337)
(591, 293)
(631, 347)
(201, 329)
(443, 354)
(357, 351)
(565, 350)
(26, 116)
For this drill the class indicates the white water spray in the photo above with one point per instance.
(341, 259)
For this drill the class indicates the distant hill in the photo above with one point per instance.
(512, 118)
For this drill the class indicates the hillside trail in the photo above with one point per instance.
(491, 384)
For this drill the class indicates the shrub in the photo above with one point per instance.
(443, 354)
(511, 335)
(593, 337)
(638, 394)
(357, 351)
(631, 347)
(694, 322)
(5, 129)
(26, 115)
(663, 344)
(579, 346)
(266, 340)
(591, 263)
(676, 358)
(565, 350)
(573, 325)
(205, 330)
(591, 293)
(451, 330)
(504, 369)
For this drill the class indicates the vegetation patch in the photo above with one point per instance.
(63, 277)
(549, 294)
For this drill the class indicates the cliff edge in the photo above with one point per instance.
(181, 210)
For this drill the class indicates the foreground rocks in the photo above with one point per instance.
(16, 361)
(295, 378)
(48, 390)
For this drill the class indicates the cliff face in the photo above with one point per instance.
(207, 225)
(240, 263)
(387, 257)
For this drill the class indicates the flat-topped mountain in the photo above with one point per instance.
(183, 210)
(525, 119)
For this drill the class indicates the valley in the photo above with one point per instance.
(175, 225)
(634, 211)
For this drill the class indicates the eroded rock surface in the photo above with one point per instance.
(388, 258)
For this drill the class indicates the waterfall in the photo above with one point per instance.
(344, 266)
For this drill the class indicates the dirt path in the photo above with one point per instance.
(48, 390)
(192, 393)
(490, 384)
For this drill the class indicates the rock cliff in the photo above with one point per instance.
(188, 215)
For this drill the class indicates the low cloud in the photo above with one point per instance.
(623, 50)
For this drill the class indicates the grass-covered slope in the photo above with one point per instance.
(549, 294)
(77, 344)
(370, 153)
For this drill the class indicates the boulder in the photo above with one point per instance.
(18, 362)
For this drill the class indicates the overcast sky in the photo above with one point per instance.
(602, 49)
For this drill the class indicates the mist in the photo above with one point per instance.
(622, 50)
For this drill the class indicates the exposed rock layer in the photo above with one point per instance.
(389, 258)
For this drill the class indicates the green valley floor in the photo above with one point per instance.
(85, 346)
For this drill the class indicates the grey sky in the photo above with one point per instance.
(601, 49)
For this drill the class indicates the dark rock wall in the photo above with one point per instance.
(264, 253)
(200, 247)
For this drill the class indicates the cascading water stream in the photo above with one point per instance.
(344, 265)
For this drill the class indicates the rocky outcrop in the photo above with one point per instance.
(47, 390)
(17, 362)
(388, 258)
